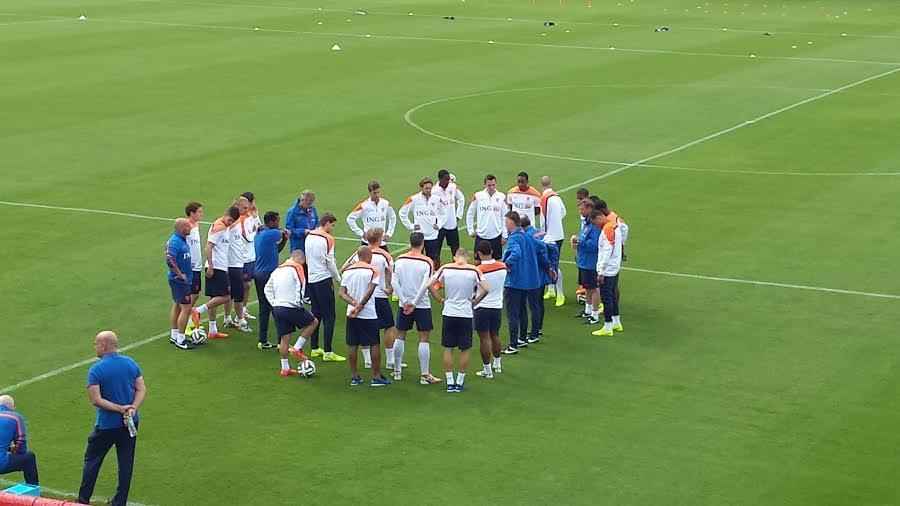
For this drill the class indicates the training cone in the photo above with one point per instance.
(82, 18)
(335, 47)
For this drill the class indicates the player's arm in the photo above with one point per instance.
(140, 392)
(269, 289)
(351, 221)
(332, 265)
(460, 203)
(483, 288)
(350, 261)
(404, 215)
(426, 285)
(345, 296)
(209, 258)
(388, 279)
(470, 217)
(391, 223)
(603, 255)
(173, 264)
(283, 240)
(98, 401)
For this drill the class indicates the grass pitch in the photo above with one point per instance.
(717, 393)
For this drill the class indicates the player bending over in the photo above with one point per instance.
(285, 291)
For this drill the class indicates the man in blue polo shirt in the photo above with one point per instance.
(586, 247)
(535, 298)
(14, 454)
(268, 243)
(178, 260)
(116, 387)
(301, 219)
(523, 274)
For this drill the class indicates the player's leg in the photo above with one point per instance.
(173, 317)
(353, 341)
(424, 326)
(463, 328)
(482, 327)
(447, 362)
(398, 349)
(367, 356)
(249, 270)
(607, 291)
(523, 320)
(313, 290)
(326, 296)
(184, 316)
(512, 297)
(616, 317)
(453, 241)
(265, 309)
(449, 341)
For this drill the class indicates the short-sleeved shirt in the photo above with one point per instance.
(220, 237)
(494, 273)
(115, 374)
(236, 246)
(266, 245)
(381, 261)
(460, 284)
(179, 253)
(411, 271)
(193, 240)
(356, 279)
(524, 202)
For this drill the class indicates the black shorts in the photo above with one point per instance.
(362, 332)
(433, 250)
(181, 291)
(488, 320)
(385, 313)
(236, 283)
(217, 285)
(249, 270)
(288, 319)
(587, 278)
(496, 246)
(457, 333)
(452, 238)
(420, 316)
(196, 282)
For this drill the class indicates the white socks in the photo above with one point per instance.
(399, 347)
(559, 283)
(301, 342)
(595, 313)
(177, 336)
(496, 363)
(487, 369)
(607, 325)
(213, 329)
(202, 309)
(616, 320)
(450, 380)
(588, 308)
(460, 378)
(285, 364)
(173, 334)
(367, 355)
(424, 359)
(389, 356)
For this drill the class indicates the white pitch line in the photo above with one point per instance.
(63, 493)
(739, 126)
(811, 288)
(12, 23)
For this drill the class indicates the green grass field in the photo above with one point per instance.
(734, 155)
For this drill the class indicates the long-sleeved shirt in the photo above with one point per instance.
(541, 249)
(12, 432)
(486, 217)
(286, 286)
(521, 260)
(373, 215)
(300, 222)
(609, 257)
(587, 246)
(320, 260)
(553, 214)
(428, 215)
(453, 203)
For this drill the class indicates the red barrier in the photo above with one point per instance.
(27, 500)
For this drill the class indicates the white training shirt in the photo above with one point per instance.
(357, 279)
(494, 273)
(320, 261)
(609, 257)
(452, 203)
(553, 217)
(220, 237)
(380, 215)
(236, 246)
(193, 240)
(524, 202)
(412, 271)
(428, 215)
(486, 216)
(286, 286)
(460, 286)
(249, 226)
(382, 262)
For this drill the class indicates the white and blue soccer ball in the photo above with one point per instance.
(307, 368)
(198, 336)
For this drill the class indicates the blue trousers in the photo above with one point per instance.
(25, 462)
(515, 298)
(265, 309)
(609, 295)
(99, 444)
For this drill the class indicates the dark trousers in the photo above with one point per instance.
(496, 246)
(536, 306)
(433, 251)
(514, 299)
(452, 238)
(608, 294)
(321, 295)
(265, 309)
(25, 462)
(99, 443)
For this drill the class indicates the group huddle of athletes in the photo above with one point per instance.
(518, 237)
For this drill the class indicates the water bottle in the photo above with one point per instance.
(132, 428)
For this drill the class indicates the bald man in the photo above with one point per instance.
(14, 454)
(178, 259)
(358, 283)
(116, 388)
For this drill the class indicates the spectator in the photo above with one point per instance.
(302, 218)
(116, 388)
(14, 454)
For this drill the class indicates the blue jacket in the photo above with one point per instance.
(543, 255)
(300, 221)
(521, 259)
(12, 430)
(588, 246)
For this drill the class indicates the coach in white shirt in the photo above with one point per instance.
(553, 211)
(428, 216)
(453, 202)
(375, 212)
(486, 217)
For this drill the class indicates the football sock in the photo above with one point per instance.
(588, 309)
(367, 354)
(607, 325)
(213, 328)
(424, 358)
(460, 378)
(595, 314)
(179, 337)
(285, 364)
(487, 370)
(559, 283)
(301, 342)
(389, 356)
(399, 346)
(173, 333)
(450, 378)
(202, 309)
(496, 362)
(616, 320)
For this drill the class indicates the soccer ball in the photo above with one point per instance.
(307, 368)
(198, 336)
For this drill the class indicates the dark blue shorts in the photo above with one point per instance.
(196, 282)
(249, 270)
(587, 278)
(385, 313)
(181, 291)
(288, 319)
(488, 320)
(421, 317)
(457, 333)
(362, 332)
(236, 283)
(217, 285)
